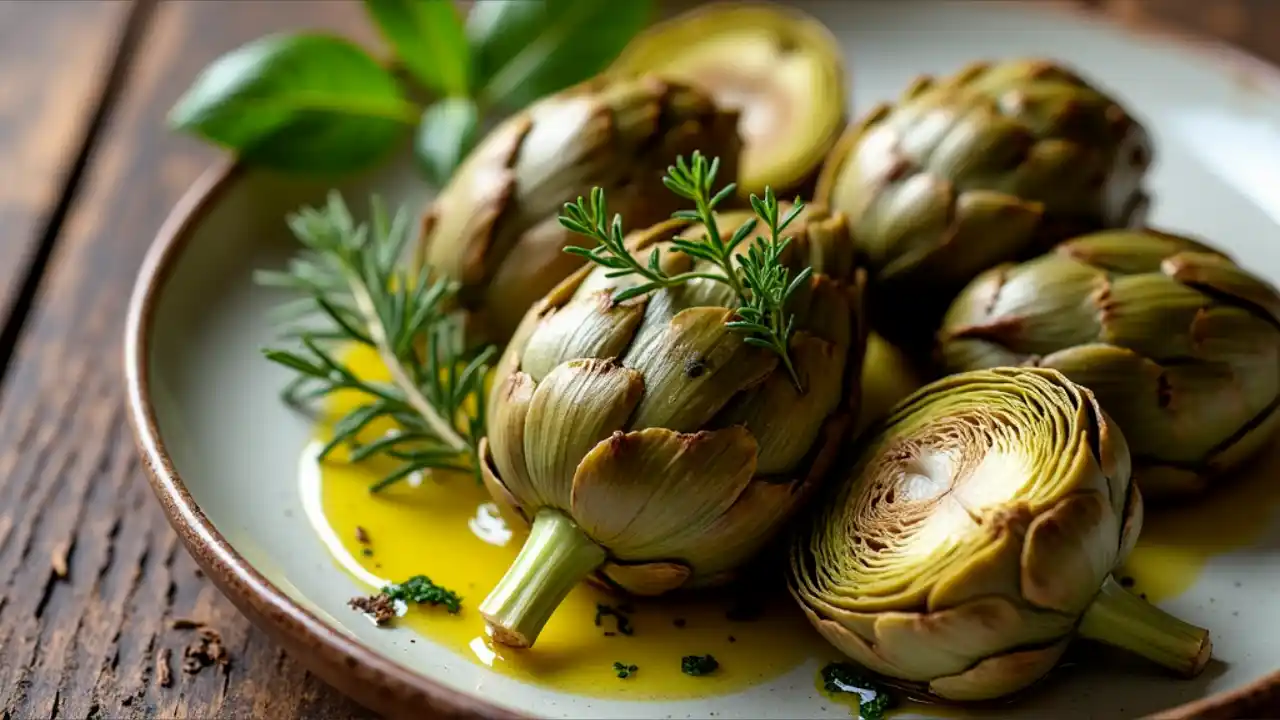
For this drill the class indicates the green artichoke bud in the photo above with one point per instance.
(976, 535)
(780, 67)
(992, 164)
(647, 443)
(1180, 345)
(888, 376)
(494, 227)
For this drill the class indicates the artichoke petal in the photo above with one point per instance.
(999, 675)
(1067, 548)
(948, 642)
(1217, 275)
(786, 421)
(1131, 528)
(590, 326)
(578, 404)
(507, 504)
(647, 579)
(692, 367)
(507, 439)
(993, 570)
(637, 493)
(740, 532)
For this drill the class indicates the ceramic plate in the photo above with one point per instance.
(227, 456)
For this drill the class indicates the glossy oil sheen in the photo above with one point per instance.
(447, 528)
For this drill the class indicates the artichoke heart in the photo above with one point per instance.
(781, 68)
(976, 535)
(649, 446)
(992, 164)
(494, 228)
(1180, 345)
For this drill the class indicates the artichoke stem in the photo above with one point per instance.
(556, 557)
(1121, 619)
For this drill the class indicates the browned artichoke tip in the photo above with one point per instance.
(650, 447)
(494, 228)
(1180, 345)
(990, 165)
(779, 66)
(975, 536)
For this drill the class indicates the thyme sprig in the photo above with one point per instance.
(758, 277)
(352, 281)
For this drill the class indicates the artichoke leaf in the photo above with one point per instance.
(692, 367)
(507, 504)
(994, 569)
(1000, 675)
(1216, 275)
(578, 404)
(590, 326)
(638, 493)
(785, 421)
(507, 435)
(647, 579)
(743, 529)
(949, 641)
(1067, 548)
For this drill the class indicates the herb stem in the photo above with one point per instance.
(412, 395)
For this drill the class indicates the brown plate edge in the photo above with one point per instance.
(356, 669)
(342, 661)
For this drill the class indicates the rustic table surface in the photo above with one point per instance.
(90, 573)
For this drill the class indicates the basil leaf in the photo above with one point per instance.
(428, 37)
(527, 49)
(299, 103)
(446, 134)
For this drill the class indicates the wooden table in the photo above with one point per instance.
(87, 172)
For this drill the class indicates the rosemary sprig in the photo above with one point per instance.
(758, 277)
(352, 280)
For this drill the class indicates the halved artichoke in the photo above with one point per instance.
(975, 536)
(1180, 345)
(495, 229)
(646, 442)
(989, 165)
(780, 67)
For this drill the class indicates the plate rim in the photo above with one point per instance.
(343, 661)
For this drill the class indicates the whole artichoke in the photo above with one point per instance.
(649, 443)
(494, 227)
(779, 66)
(975, 536)
(988, 165)
(1180, 345)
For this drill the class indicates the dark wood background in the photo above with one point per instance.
(87, 173)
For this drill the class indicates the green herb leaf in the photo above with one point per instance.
(526, 49)
(446, 134)
(428, 37)
(300, 103)
(873, 700)
(623, 670)
(419, 589)
(698, 665)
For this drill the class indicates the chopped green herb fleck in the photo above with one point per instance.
(698, 665)
(873, 699)
(419, 589)
(623, 622)
(624, 670)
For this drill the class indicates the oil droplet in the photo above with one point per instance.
(448, 529)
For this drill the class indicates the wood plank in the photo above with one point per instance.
(54, 58)
(70, 481)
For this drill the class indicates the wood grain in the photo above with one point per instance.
(70, 482)
(53, 60)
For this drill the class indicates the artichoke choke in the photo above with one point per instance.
(648, 444)
(494, 227)
(1180, 345)
(976, 535)
(992, 164)
(781, 68)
